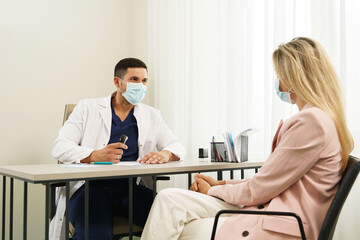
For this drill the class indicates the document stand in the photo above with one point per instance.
(244, 147)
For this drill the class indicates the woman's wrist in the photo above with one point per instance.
(222, 182)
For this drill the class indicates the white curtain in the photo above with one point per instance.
(212, 69)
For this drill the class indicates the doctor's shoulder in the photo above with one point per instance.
(150, 111)
(92, 104)
(146, 108)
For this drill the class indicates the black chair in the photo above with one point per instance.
(331, 218)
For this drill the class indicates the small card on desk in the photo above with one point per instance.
(103, 163)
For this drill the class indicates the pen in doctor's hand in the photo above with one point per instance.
(123, 138)
(110, 153)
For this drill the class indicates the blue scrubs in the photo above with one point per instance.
(108, 197)
(129, 128)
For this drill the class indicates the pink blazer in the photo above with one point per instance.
(301, 175)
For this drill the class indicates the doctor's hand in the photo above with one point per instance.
(163, 156)
(111, 153)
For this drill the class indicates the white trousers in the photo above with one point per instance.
(183, 214)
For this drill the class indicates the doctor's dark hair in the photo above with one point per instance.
(122, 66)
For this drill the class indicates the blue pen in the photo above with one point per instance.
(231, 140)
(105, 163)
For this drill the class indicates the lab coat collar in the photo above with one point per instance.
(105, 113)
(142, 123)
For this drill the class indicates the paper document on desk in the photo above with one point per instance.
(229, 145)
(78, 165)
(233, 145)
(127, 163)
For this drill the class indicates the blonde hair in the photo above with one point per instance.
(307, 69)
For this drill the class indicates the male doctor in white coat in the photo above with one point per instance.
(91, 134)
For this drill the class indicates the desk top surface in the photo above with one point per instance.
(40, 173)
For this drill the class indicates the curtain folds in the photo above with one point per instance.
(212, 67)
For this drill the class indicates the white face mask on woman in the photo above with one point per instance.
(284, 96)
(135, 92)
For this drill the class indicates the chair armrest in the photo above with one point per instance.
(162, 178)
(291, 214)
(58, 184)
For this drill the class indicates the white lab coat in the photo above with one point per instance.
(88, 128)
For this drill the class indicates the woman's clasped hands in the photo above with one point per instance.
(203, 183)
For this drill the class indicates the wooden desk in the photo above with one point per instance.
(53, 173)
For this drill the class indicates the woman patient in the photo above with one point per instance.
(301, 175)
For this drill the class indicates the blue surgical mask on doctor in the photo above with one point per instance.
(135, 92)
(285, 96)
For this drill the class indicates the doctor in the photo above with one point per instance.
(91, 134)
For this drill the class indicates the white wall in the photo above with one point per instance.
(57, 52)
(52, 53)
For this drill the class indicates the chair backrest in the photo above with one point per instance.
(68, 110)
(347, 181)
